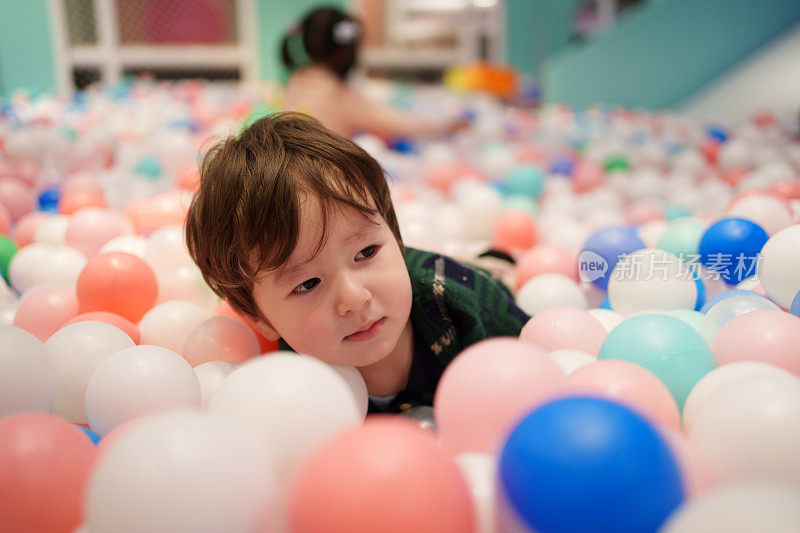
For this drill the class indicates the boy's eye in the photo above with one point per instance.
(306, 286)
(367, 252)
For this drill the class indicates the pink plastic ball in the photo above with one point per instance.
(5, 221)
(785, 188)
(559, 328)
(514, 231)
(641, 212)
(767, 336)
(43, 311)
(44, 468)
(16, 197)
(486, 387)
(26, 226)
(588, 176)
(220, 338)
(90, 228)
(631, 384)
(545, 259)
(695, 472)
(443, 176)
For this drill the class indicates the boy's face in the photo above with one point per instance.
(350, 303)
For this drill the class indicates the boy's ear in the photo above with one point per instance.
(263, 327)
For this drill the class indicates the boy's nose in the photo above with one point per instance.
(353, 296)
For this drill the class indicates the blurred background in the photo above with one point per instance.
(704, 58)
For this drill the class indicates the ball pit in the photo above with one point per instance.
(93, 193)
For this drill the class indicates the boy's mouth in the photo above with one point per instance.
(367, 331)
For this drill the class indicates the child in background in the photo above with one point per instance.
(294, 226)
(319, 52)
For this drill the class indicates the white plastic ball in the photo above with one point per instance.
(729, 308)
(138, 381)
(45, 264)
(211, 375)
(780, 263)
(184, 281)
(740, 507)
(295, 402)
(735, 153)
(132, 244)
(77, 350)
(723, 376)
(28, 378)
(480, 472)
(166, 247)
(651, 279)
(571, 360)
(610, 319)
(749, 429)
(170, 323)
(480, 206)
(356, 383)
(650, 232)
(182, 471)
(765, 210)
(52, 230)
(549, 290)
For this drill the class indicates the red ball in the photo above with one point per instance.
(388, 475)
(119, 283)
(514, 231)
(44, 467)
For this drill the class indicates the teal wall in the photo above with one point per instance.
(26, 55)
(664, 51)
(274, 17)
(535, 29)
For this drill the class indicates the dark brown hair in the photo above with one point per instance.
(245, 218)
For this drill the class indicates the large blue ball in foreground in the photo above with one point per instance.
(731, 247)
(588, 464)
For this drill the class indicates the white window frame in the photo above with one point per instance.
(111, 57)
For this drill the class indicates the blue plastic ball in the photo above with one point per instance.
(731, 247)
(94, 437)
(48, 200)
(605, 304)
(609, 244)
(589, 464)
(718, 133)
(527, 180)
(701, 291)
(562, 165)
(403, 145)
(711, 302)
(795, 307)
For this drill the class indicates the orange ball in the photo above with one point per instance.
(44, 467)
(71, 201)
(388, 475)
(117, 282)
(109, 318)
(545, 259)
(514, 231)
(189, 179)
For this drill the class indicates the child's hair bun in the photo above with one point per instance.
(326, 36)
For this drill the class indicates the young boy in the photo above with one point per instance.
(294, 226)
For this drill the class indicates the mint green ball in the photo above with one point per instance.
(682, 239)
(690, 316)
(673, 211)
(521, 202)
(527, 180)
(149, 168)
(666, 346)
